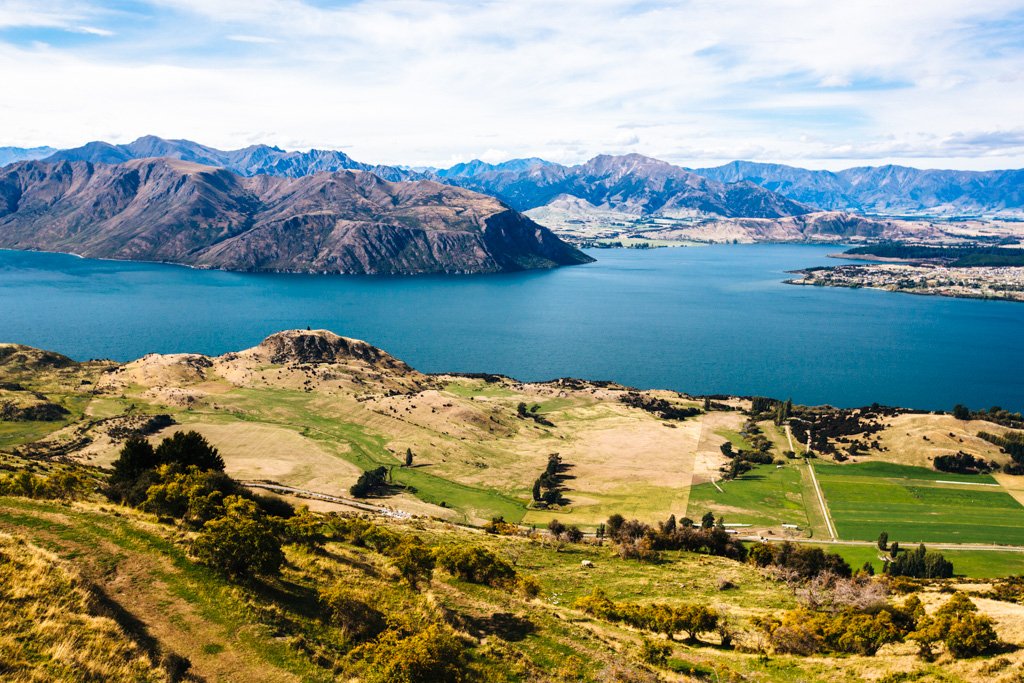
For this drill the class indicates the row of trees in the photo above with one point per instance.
(549, 486)
(671, 620)
(849, 630)
(800, 561)
(638, 540)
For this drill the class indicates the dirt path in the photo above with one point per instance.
(821, 501)
(163, 602)
(303, 493)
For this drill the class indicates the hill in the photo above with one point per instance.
(349, 222)
(198, 575)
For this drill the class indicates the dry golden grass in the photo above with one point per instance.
(50, 628)
(916, 439)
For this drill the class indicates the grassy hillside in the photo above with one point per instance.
(126, 590)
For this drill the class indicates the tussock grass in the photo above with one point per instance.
(52, 627)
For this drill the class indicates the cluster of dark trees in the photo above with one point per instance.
(635, 539)
(994, 414)
(963, 257)
(550, 485)
(963, 463)
(659, 406)
(762, 408)
(1011, 443)
(839, 424)
(533, 413)
(919, 563)
(805, 562)
(560, 531)
(135, 469)
(743, 460)
(183, 479)
(371, 482)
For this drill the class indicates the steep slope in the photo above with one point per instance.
(885, 189)
(248, 161)
(344, 222)
(631, 183)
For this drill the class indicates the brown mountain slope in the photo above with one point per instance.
(343, 222)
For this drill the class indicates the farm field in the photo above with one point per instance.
(915, 505)
(973, 564)
(766, 497)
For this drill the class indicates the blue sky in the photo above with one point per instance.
(815, 83)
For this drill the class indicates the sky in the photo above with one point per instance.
(814, 83)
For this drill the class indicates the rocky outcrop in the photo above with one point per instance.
(322, 346)
(350, 222)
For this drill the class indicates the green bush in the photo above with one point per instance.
(959, 627)
(242, 544)
(432, 655)
(474, 564)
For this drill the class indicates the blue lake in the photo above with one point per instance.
(702, 320)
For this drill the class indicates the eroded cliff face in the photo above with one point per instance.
(350, 222)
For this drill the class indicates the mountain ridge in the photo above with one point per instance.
(350, 222)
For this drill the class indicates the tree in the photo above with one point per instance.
(894, 549)
(369, 481)
(137, 456)
(536, 490)
(573, 534)
(883, 540)
(614, 524)
(242, 544)
(408, 457)
(961, 412)
(707, 521)
(186, 449)
(556, 528)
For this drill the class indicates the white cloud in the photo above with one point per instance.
(239, 38)
(428, 81)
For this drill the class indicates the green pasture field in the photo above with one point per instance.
(914, 504)
(765, 496)
(974, 564)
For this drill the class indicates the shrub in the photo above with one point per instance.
(359, 621)
(475, 565)
(654, 652)
(192, 496)
(243, 543)
(62, 485)
(433, 655)
(414, 561)
(958, 626)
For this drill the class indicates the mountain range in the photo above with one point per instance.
(161, 209)
(630, 183)
(248, 161)
(885, 190)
